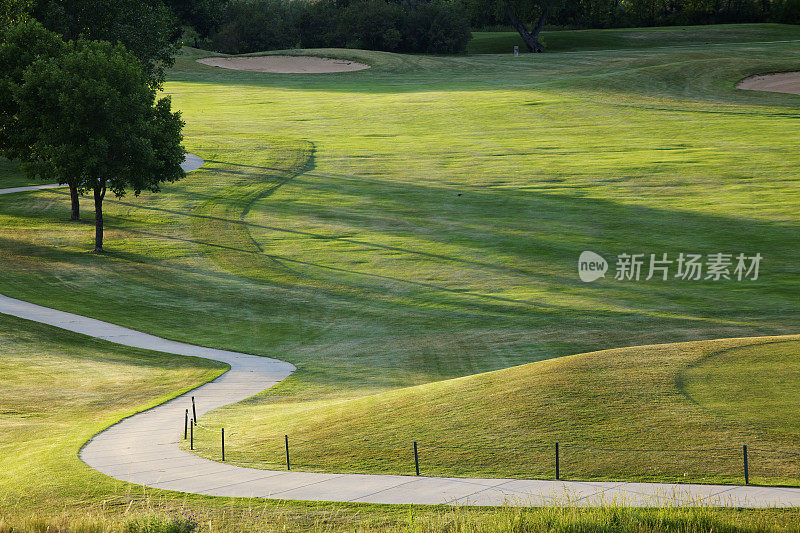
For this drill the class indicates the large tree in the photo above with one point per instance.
(91, 114)
(21, 44)
(521, 11)
(148, 28)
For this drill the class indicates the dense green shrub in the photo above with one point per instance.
(436, 28)
(256, 25)
(204, 16)
(489, 15)
(787, 11)
(370, 25)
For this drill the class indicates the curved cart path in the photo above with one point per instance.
(143, 449)
(190, 163)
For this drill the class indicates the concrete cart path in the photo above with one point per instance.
(143, 449)
(190, 163)
(27, 188)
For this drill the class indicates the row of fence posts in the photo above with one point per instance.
(191, 425)
(188, 429)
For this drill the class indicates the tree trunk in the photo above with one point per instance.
(73, 195)
(531, 38)
(99, 194)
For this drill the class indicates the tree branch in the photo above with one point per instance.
(531, 39)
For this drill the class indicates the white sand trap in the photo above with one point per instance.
(285, 64)
(785, 82)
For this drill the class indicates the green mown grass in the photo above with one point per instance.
(57, 389)
(503, 42)
(326, 227)
(369, 272)
(11, 177)
(674, 412)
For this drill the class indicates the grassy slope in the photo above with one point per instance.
(369, 275)
(635, 38)
(57, 389)
(504, 423)
(11, 177)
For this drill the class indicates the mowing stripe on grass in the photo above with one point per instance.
(143, 449)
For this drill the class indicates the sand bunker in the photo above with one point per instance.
(785, 82)
(285, 64)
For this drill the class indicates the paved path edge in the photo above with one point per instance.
(144, 448)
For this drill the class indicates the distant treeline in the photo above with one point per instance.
(585, 14)
(435, 27)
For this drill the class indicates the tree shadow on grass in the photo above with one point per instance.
(534, 235)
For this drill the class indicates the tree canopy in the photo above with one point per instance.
(21, 45)
(89, 113)
(13, 11)
(527, 15)
(204, 16)
(147, 28)
(435, 27)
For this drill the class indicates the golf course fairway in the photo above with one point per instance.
(408, 236)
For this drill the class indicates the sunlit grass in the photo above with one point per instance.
(607, 519)
(623, 414)
(59, 388)
(326, 229)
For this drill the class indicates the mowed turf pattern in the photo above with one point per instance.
(59, 388)
(352, 255)
(672, 412)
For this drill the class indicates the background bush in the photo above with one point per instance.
(443, 26)
(581, 14)
(255, 25)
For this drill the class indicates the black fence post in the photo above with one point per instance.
(186, 425)
(558, 464)
(746, 467)
(288, 466)
(191, 436)
(194, 412)
(416, 458)
(223, 444)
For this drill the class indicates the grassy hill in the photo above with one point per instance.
(57, 390)
(421, 221)
(499, 42)
(676, 412)
(60, 388)
(368, 270)
(10, 175)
